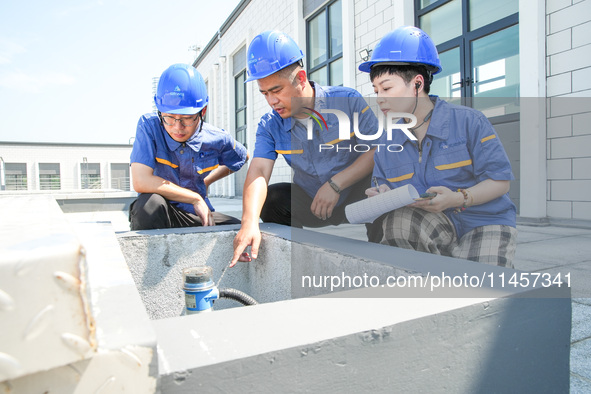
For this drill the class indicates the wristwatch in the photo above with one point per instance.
(334, 186)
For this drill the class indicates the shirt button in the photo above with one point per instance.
(182, 151)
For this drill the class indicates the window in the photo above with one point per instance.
(478, 44)
(49, 176)
(120, 176)
(239, 61)
(16, 176)
(325, 45)
(90, 175)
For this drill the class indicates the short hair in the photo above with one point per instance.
(406, 72)
(289, 71)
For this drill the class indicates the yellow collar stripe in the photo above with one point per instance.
(290, 152)
(208, 169)
(490, 137)
(401, 177)
(166, 162)
(454, 165)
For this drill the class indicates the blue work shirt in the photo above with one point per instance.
(314, 167)
(459, 150)
(185, 164)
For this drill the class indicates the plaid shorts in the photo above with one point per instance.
(414, 228)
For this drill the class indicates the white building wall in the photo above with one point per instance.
(554, 160)
(70, 158)
(568, 46)
(216, 67)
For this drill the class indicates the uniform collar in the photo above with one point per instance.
(439, 125)
(193, 142)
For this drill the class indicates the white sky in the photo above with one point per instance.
(81, 70)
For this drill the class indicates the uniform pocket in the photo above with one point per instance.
(206, 166)
(454, 166)
(400, 173)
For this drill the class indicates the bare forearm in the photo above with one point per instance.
(486, 191)
(216, 175)
(167, 189)
(255, 190)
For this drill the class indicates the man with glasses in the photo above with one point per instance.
(176, 156)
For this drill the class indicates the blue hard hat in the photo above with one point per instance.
(269, 52)
(407, 45)
(181, 90)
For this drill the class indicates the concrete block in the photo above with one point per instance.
(581, 124)
(571, 147)
(570, 16)
(559, 209)
(560, 106)
(581, 34)
(555, 5)
(44, 308)
(559, 169)
(581, 168)
(582, 210)
(558, 42)
(559, 127)
(573, 190)
(557, 85)
(581, 80)
(574, 59)
(113, 348)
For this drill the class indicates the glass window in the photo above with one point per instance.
(240, 106)
(90, 175)
(483, 12)
(320, 76)
(443, 23)
(448, 82)
(495, 62)
(425, 3)
(325, 45)
(479, 56)
(49, 176)
(336, 72)
(317, 41)
(335, 18)
(16, 176)
(120, 176)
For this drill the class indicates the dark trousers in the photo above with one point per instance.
(152, 211)
(289, 204)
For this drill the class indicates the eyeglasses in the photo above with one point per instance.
(185, 122)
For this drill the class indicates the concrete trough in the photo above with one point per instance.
(309, 338)
(302, 337)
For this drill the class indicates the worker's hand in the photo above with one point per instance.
(324, 202)
(202, 210)
(374, 191)
(247, 236)
(444, 199)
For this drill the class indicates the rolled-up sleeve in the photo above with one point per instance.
(489, 156)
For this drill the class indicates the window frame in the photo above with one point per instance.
(237, 110)
(329, 60)
(464, 43)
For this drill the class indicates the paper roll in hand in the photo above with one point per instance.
(368, 210)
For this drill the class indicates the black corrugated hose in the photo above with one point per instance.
(237, 295)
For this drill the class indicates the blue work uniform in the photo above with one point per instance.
(186, 164)
(459, 150)
(312, 166)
